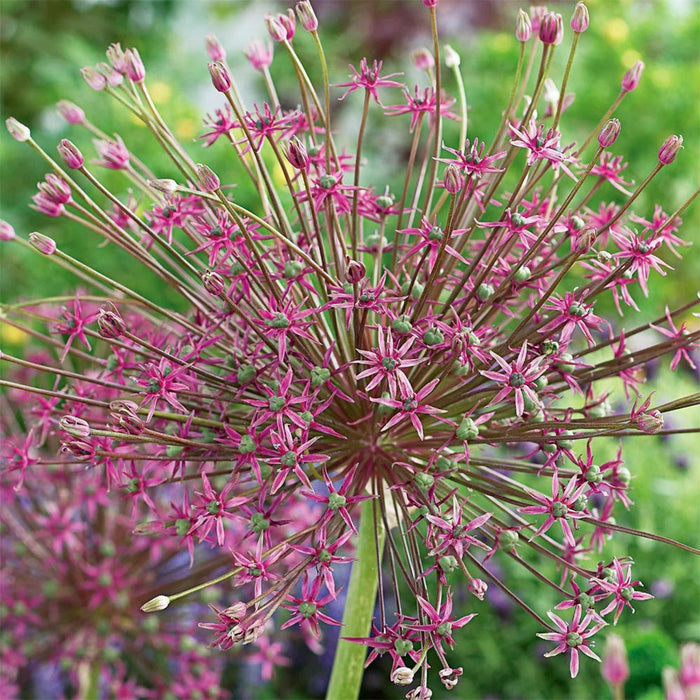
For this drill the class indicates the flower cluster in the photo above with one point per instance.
(425, 370)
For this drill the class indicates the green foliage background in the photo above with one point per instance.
(45, 42)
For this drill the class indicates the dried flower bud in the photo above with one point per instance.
(213, 282)
(164, 185)
(609, 133)
(71, 112)
(579, 20)
(110, 324)
(296, 154)
(220, 76)
(70, 154)
(275, 27)
(214, 48)
(307, 16)
(614, 667)
(423, 59)
(134, 65)
(669, 149)
(77, 427)
(631, 78)
(454, 179)
(93, 78)
(452, 58)
(207, 178)
(17, 130)
(402, 675)
(523, 27)
(44, 244)
(354, 271)
(551, 29)
(236, 611)
(7, 233)
(160, 602)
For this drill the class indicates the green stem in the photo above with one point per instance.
(348, 666)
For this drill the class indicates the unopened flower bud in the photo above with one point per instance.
(110, 324)
(354, 271)
(673, 690)
(423, 59)
(165, 185)
(430, 3)
(79, 448)
(236, 611)
(70, 154)
(17, 130)
(93, 78)
(579, 20)
(134, 65)
(220, 76)
(450, 676)
(614, 667)
(214, 48)
(467, 429)
(296, 154)
(77, 427)
(586, 239)
(289, 22)
(115, 55)
(307, 16)
(275, 27)
(7, 233)
(42, 243)
(537, 12)
(160, 602)
(259, 55)
(402, 675)
(551, 29)
(422, 692)
(207, 178)
(452, 58)
(70, 112)
(650, 422)
(690, 667)
(669, 149)
(609, 133)
(631, 78)
(113, 77)
(523, 27)
(478, 587)
(454, 179)
(213, 282)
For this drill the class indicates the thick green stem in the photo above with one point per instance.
(348, 666)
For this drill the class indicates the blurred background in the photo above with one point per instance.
(44, 43)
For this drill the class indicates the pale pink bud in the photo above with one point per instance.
(609, 133)
(113, 153)
(220, 76)
(213, 282)
(77, 427)
(551, 29)
(134, 65)
(289, 22)
(450, 676)
(236, 611)
(56, 188)
(70, 112)
(116, 57)
(275, 27)
(44, 244)
(7, 233)
(79, 448)
(454, 180)
(207, 178)
(70, 154)
(113, 77)
(259, 54)
(523, 27)
(110, 324)
(422, 692)
(690, 665)
(402, 675)
(632, 77)
(478, 587)
(160, 602)
(423, 59)
(307, 16)
(296, 154)
(673, 690)
(579, 20)
(93, 78)
(452, 58)
(615, 669)
(537, 12)
(669, 149)
(214, 48)
(650, 422)
(165, 185)
(17, 130)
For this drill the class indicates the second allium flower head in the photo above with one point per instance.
(346, 350)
